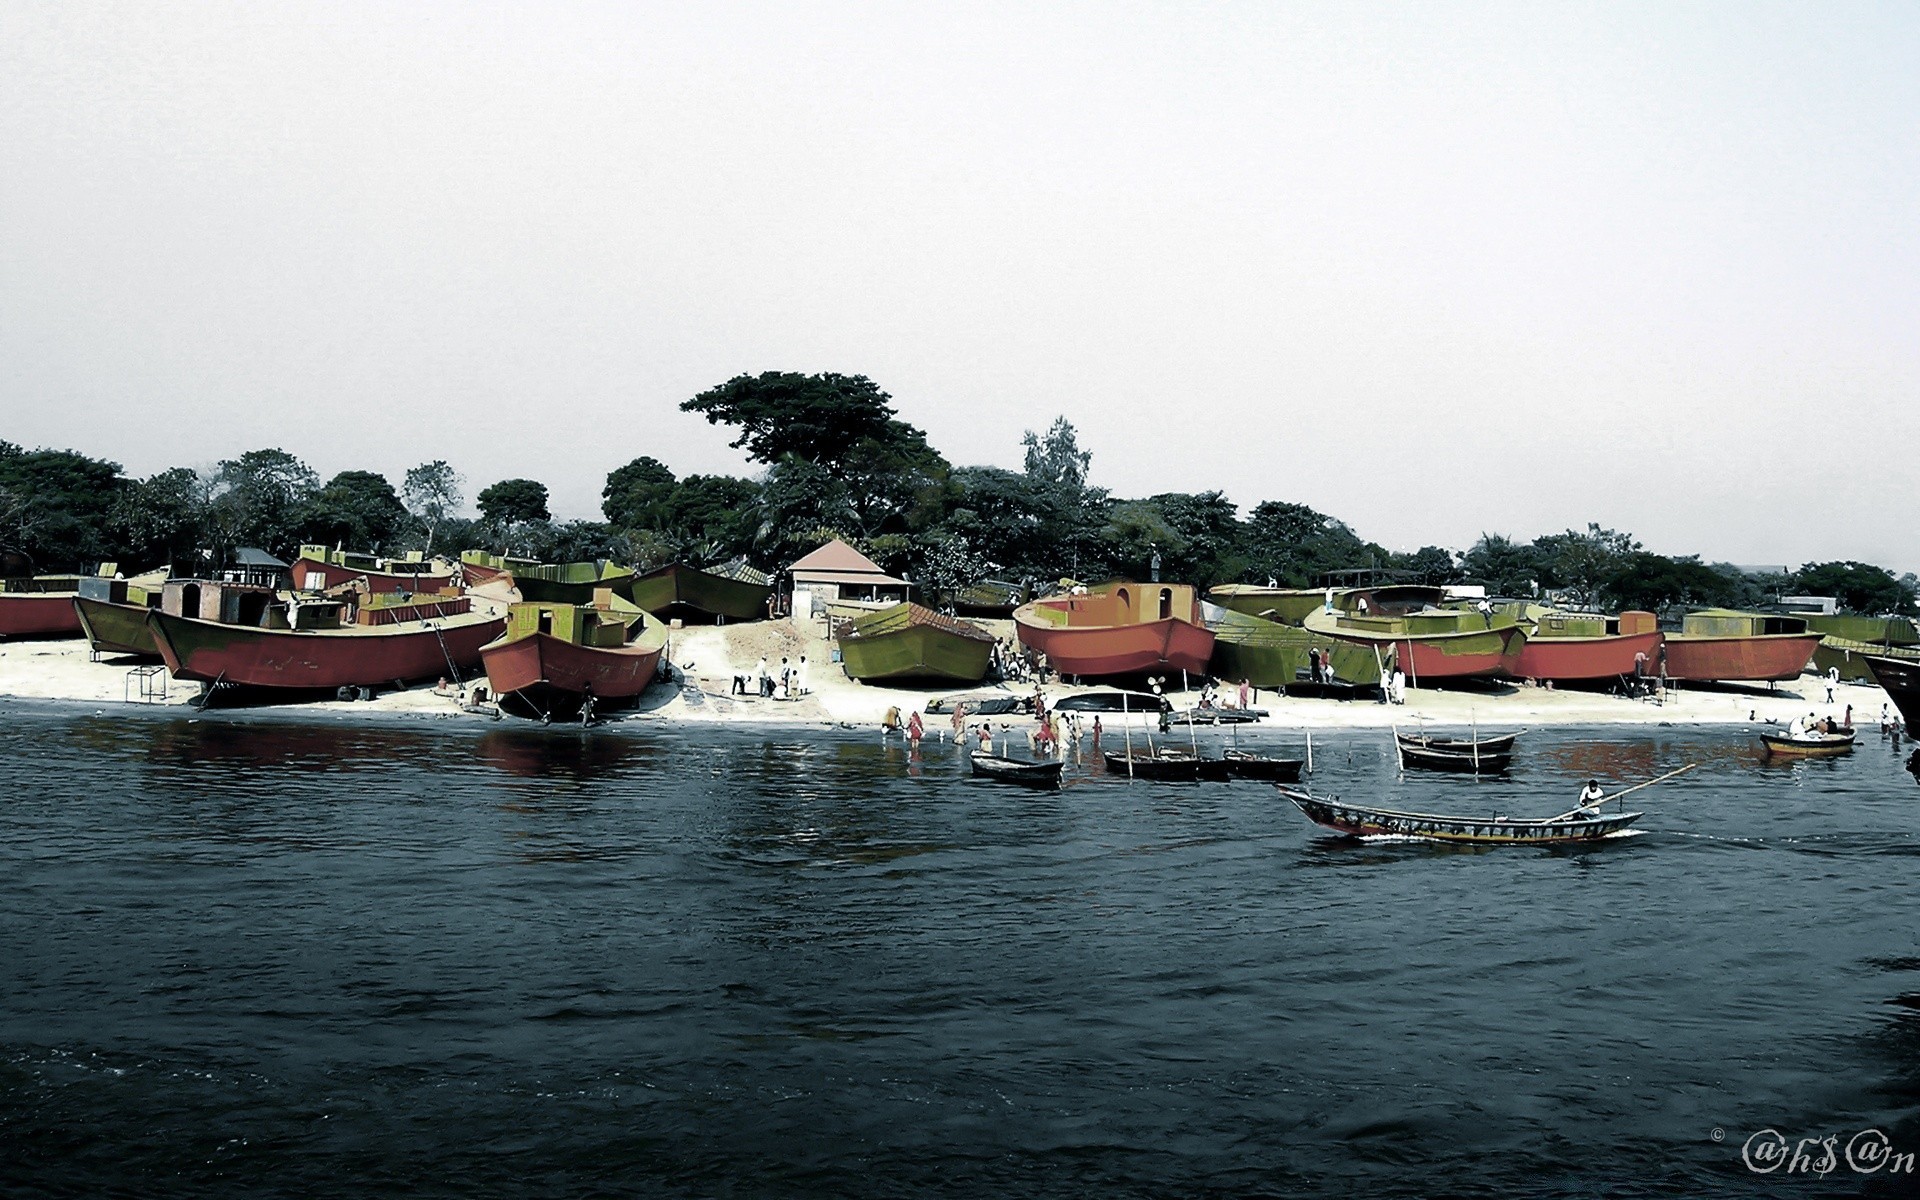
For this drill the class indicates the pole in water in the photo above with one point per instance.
(1310, 751)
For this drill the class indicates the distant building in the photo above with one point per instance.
(1815, 606)
(257, 568)
(836, 571)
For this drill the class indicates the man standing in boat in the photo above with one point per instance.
(1591, 795)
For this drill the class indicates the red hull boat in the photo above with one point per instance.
(1103, 633)
(1763, 658)
(545, 660)
(360, 656)
(1583, 658)
(38, 614)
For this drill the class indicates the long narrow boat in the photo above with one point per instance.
(1268, 654)
(41, 607)
(553, 657)
(1044, 773)
(1462, 762)
(1901, 679)
(1119, 628)
(1809, 745)
(370, 655)
(1432, 644)
(1499, 743)
(1362, 821)
(1585, 647)
(1243, 764)
(1167, 768)
(1720, 644)
(735, 592)
(571, 583)
(907, 642)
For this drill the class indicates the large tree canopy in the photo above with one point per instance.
(357, 510)
(1860, 587)
(432, 494)
(56, 507)
(816, 417)
(257, 500)
(512, 501)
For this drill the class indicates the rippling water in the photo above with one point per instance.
(263, 954)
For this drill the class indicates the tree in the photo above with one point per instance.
(1431, 565)
(1860, 587)
(257, 499)
(56, 507)
(1505, 566)
(432, 494)
(1295, 545)
(162, 520)
(1056, 459)
(799, 500)
(510, 506)
(781, 413)
(636, 495)
(947, 564)
(1582, 563)
(1652, 581)
(357, 509)
(714, 517)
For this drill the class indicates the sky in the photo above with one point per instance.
(1434, 269)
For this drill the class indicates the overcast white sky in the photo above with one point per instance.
(1434, 269)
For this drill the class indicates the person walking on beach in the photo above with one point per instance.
(1833, 681)
(760, 681)
(800, 675)
(891, 721)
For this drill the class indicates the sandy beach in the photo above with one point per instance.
(706, 658)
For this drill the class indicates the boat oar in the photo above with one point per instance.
(1636, 787)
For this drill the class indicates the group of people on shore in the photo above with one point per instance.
(787, 683)
(1013, 663)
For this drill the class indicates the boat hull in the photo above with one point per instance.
(1901, 679)
(38, 615)
(1013, 770)
(1850, 657)
(542, 661)
(1268, 654)
(1165, 645)
(1357, 821)
(1168, 770)
(694, 595)
(1826, 747)
(116, 628)
(244, 656)
(1754, 658)
(1580, 659)
(1461, 762)
(917, 652)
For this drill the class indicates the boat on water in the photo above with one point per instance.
(1499, 743)
(1430, 644)
(1901, 679)
(714, 595)
(1469, 761)
(1813, 744)
(1119, 628)
(1166, 766)
(571, 583)
(909, 642)
(1268, 654)
(1363, 821)
(325, 645)
(319, 569)
(1726, 645)
(39, 607)
(1577, 647)
(1846, 640)
(560, 659)
(113, 613)
(1244, 764)
(1027, 773)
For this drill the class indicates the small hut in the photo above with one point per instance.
(836, 571)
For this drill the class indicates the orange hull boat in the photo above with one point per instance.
(1119, 629)
(1757, 658)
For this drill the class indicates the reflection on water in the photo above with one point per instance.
(576, 755)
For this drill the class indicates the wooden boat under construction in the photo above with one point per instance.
(677, 591)
(1588, 647)
(113, 613)
(1431, 645)
(1724, 645)
(571, 583)
(1901, 679)
(1807, 745)
(318, 569)
(553, 659)
(1043, 773)
(1363, 821)
(41, 607)
(1119, 629)
(909, 642)
(1268, 654)
(400, 645)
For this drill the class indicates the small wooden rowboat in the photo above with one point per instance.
(1808, 745)
(1499, 744)
(1357, 820)
(1244, 765)
(1167, 768)
(1016, 770)
(1465, 762)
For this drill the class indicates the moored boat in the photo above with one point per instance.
(403, 645)
(1470, 761)
(553, 658)
(908, 642)
(1585, 647)
(1244, 764)
(1026, 773)
(1362, 821)
(1166, 767)
(1807, 745)
(1499, 743)
(1901, 679)
(735, 592)
(40, 607)
(1119, 628)
(1720, 644)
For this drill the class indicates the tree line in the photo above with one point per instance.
(833, 459)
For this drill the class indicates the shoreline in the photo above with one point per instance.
(707, 657)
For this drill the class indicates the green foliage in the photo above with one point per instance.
(1581, 564)
(1653, 581)
(258, 500)
(1860, 587)
(1295, 545)
(1056, 459)
(432, 494)
(1431, 565)
(636, 495)
(514, 511)
(56, 507)
(162, 520)
(946, 566)
(1504, 566)
(357, 510)
(1198, 537)
(782, 413)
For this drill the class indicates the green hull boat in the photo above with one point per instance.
(678, 590)
(571, 583)
(1848, 639)
(910, 642)
(1287, 606)
(1270, 655)
(116, 628)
